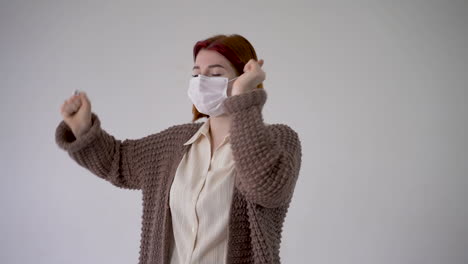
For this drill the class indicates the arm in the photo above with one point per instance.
(108, 158)
(267, 159)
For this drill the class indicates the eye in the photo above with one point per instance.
(194, 75)
(216, 74)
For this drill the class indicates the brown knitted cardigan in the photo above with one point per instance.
(267, 162)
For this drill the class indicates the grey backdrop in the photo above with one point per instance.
(377, 91)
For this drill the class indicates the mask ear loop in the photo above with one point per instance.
(231, 81)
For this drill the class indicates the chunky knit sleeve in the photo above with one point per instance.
(109, 158)
(267, 157)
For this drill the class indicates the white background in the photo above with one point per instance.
(377, 91)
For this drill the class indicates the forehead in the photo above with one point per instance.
(208, 57)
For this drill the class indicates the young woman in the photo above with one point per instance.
(213, 192)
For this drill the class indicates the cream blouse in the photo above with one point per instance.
(200, 200)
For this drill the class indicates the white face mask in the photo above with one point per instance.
(209, 93)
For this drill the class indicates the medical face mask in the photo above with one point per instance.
(209, 93)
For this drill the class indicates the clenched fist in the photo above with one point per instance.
(76, 112)
(253, 75)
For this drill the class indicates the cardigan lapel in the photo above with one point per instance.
(167, 230)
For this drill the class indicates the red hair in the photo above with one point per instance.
(235, 48)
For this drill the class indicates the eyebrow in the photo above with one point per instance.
(211, 66)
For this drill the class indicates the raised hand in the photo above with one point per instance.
(253, 75)
(76, 112)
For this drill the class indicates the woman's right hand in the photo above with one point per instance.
(76, 112)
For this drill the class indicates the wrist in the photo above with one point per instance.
(240, 90)
(80, 132)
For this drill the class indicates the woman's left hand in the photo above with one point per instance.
(253, 75)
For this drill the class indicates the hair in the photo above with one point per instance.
(235, 48)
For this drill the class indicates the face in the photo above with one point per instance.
(211, 63)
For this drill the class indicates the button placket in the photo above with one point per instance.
(194, 228)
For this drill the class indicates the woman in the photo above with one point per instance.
(213, 192)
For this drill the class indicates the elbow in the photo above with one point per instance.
(273, 186)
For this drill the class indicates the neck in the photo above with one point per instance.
(220, 126)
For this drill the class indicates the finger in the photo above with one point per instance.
(254, 66)
(73, 96)
(260, 62)
(70, 104)
(75, 106)
(73, 102)
(77, 101)
(67, 109)
(248, 66)
(84, 99)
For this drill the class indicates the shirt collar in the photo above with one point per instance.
(203, 130)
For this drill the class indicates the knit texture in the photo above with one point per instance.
(267, 163)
